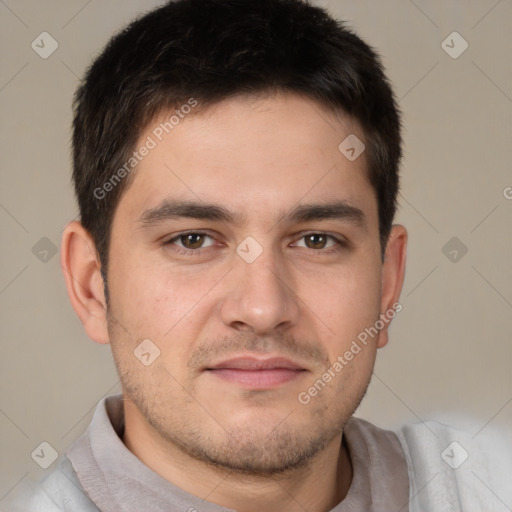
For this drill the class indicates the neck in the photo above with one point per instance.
(318, 487)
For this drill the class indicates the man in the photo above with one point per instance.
(236, 168)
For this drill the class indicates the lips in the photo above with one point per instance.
(253, 364)
(253, 373)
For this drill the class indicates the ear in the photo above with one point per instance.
(81, 268)
(393, 272)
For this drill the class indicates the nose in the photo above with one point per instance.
(260, 296)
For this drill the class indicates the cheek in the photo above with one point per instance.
(159, 303)
(152, 305)
(349, 304)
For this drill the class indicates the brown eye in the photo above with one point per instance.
(321, 243)
(316, 240)
(192, 240)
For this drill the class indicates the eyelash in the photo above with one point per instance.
(340, 244)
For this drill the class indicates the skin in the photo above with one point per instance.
(243, 448)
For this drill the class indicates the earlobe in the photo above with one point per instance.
(81, 268)
(393, 273)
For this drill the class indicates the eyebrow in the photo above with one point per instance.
(176, 209)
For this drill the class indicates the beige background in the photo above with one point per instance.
(451, 347)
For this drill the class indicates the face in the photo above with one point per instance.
(246, 250)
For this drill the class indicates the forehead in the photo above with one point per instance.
(263, 156)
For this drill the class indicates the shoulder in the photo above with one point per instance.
(452, 469)
(60, 491)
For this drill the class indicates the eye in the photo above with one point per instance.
(189, 242)
(192, 242)
(319, 241)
